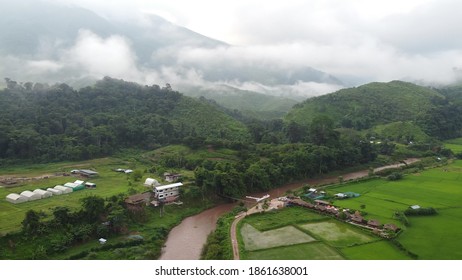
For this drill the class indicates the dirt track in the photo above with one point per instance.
(13, 180)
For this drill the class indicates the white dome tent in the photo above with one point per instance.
(43, 193)
(31, 195)
(150, 182)
(15, 198)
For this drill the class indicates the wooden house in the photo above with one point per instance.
(373, 223)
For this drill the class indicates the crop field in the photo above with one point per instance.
(380, 250)
(278, 219)
(257, 240)
(325, 238)
(454, 144)
(430, 237)
(307, 251)
(108, 183)
(338, 234)
(436, 237)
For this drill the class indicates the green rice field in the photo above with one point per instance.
(380, 250)
(338, 234)
(454, 144)
(434, 237)
(285, 236)
(308, 251)
(429, 237)
(310, 236)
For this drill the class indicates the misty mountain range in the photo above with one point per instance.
(47, 42)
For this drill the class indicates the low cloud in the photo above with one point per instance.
(99, 57)
(343, 49)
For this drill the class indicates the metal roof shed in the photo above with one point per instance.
(90, 185)
(160, 188)
(88, 173)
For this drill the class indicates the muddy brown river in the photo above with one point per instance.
(186, 240)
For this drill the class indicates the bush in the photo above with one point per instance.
(429, 211)
(387, 171)
(400, 216)
(395, 176)
(80, 255)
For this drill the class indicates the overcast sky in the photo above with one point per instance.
(374, 40)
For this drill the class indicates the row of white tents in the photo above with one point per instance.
(40, 193)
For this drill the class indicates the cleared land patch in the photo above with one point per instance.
(257, 240)
(338, 234)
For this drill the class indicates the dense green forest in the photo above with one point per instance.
(45, 123)
(436, 113)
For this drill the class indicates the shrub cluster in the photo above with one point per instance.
(428, 211)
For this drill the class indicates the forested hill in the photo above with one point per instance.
(381, 103)
(43, 123)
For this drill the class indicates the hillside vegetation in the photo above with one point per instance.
(250, 103)
(43, 123)
(382, 103)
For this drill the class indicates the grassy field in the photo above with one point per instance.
(454, 144)
(433, 237)
(317, 238)
(108, 183)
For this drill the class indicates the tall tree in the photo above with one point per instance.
(322, 131)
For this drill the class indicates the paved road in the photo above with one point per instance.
(234, 236)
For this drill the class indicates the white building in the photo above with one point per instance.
(31, 195)
(15, 198)
(163, 192)
(42, 193)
